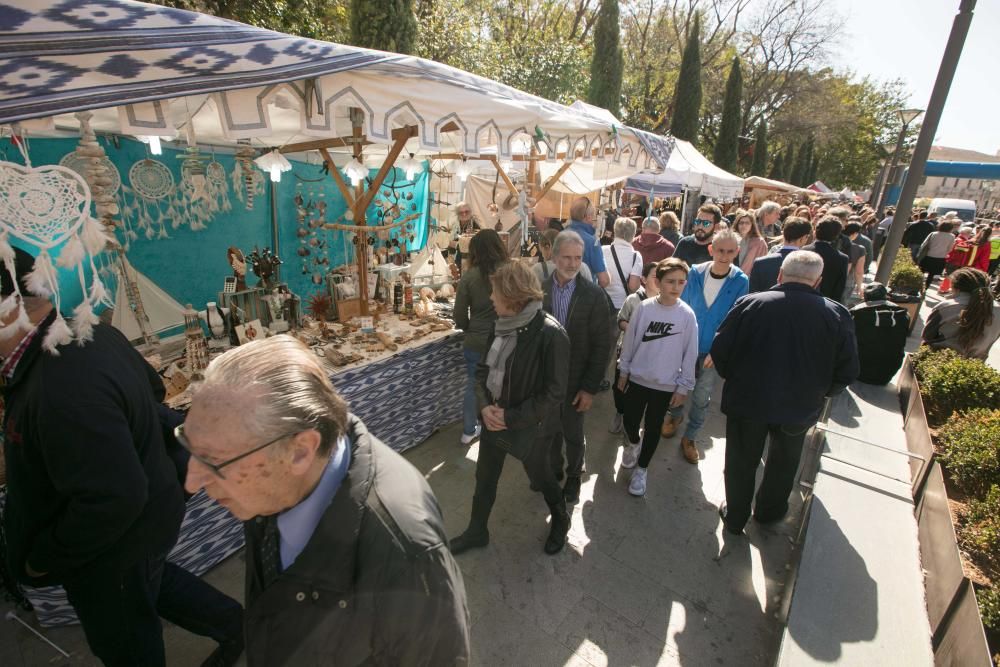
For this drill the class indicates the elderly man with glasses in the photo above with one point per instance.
(347, 559)
(693, 249)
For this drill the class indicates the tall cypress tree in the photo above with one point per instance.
(687, 93)
(813, 169)
(727, 144)
(802, 164)
(759, 165)
(777, 172)
(388, 25)
(607, 65)
(789, 163)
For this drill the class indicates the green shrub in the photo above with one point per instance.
(971, 445)
(989, 607)
(926, 358)
(979, 532)
(905, 276)
(950, 383)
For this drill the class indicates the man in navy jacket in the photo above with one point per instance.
(764, 274)
(835, 263)
(782, 353)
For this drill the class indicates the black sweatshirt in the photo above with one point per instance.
(90, 486)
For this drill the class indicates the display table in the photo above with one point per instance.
(402, 399)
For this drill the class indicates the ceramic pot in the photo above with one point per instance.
(214, 319)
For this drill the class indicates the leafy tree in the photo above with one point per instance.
(802, 162)
(777, 172)
(687, 94)
(389, 25)
(813, 170)
(727, 143)
(607, 64)
(788, 163)
(759, 165)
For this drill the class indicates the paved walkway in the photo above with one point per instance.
(641, 582)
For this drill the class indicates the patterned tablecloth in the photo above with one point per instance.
(402, 399)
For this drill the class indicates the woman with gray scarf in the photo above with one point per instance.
(520, 383)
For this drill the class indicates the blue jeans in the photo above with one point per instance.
(698, 399)
(470, 416)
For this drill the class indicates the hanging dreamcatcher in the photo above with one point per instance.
(194, 199)
(80, 165)
(48, 207)
(218, 186)
(154, 197)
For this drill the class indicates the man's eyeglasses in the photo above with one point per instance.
(217, 467)
(703, 223)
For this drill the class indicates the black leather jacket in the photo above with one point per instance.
(534, 384)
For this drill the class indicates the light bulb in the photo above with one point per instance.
(463, 170)
(275, 173)
(154, 145)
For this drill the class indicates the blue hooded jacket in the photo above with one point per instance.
(709, 319)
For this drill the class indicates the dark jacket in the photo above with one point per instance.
(90, 486)
(916, 232)
(474, 312)
(534, 384)
(782, 352)
(881, 329)
(764, 274)
(588, 325)
(834, 269)
(376, 584)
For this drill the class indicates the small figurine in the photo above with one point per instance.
(235, 259)
(264, 265)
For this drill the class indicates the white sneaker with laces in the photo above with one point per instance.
(631, 454)
(637, 485)
(468, 439)
(616, 423)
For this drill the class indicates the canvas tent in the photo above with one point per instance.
(687, 169)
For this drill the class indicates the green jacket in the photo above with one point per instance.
(474, 313)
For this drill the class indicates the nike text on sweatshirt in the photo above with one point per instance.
(660, 347)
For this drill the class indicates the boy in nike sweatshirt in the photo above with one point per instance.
(657, 366)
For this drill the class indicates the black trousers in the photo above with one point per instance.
(120, 612)
(745, 439)
(934, 266)
(570, 431)
(489, 467)
(653, 404)
(618, 394)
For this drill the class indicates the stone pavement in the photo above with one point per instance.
(641, 581)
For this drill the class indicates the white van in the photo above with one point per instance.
(965, 208)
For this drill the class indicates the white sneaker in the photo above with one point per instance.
(631, 454)
(637, 485)
(616, 423)
(468, 439)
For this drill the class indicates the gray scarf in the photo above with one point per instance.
(504, 344)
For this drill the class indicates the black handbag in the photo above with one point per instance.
(516, 442)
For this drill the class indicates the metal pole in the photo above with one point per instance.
(889, 177)
(879, 182)
(915, 174)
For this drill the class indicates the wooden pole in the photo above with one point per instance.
(552, 181)
(337, 178)
(361, 247)
(503, 175)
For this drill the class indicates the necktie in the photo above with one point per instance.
(270, 551)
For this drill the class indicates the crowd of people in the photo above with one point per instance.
(346, 553)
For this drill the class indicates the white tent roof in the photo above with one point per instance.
(151, 70)
(688, 169)
(761, 183)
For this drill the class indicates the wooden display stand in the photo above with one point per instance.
(251, 302)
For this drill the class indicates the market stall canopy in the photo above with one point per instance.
(687, 169)
(761, 183)
(148, 70)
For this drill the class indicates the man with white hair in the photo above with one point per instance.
(582, 309)
(624, 261)
(347, 560)
(768, 219)
(801, 347)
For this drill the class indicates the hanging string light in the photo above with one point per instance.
(411, 167)
(355, 171)
(153, 141)
(463, 170)
(274, 163)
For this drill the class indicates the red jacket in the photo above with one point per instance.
(960, 253)
(653, 247)
(982, 259)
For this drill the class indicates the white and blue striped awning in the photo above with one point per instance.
(145, 69)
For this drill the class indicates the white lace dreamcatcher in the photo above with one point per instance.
(154, 199)
(46, 207)
(218, 186)
(80, 164)
(194, 197)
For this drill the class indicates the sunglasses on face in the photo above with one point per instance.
(217, 467)
(703, 223)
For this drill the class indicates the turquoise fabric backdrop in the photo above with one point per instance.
(191, 265)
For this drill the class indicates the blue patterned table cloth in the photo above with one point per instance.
(402, 399)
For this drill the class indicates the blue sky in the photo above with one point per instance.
(905, 39)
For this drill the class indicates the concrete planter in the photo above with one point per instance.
(957, 634)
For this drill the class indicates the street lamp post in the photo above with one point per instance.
(946, 72)
(907, 116)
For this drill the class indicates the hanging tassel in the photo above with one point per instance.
(84, 320)
(21, 324)
(42, 279)
(7, 253)
(98, 294)
(72, 253)
(8, 305)
(58, 334)
(95, 239)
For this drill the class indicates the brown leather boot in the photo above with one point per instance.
(690, 450)
(670, 425)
